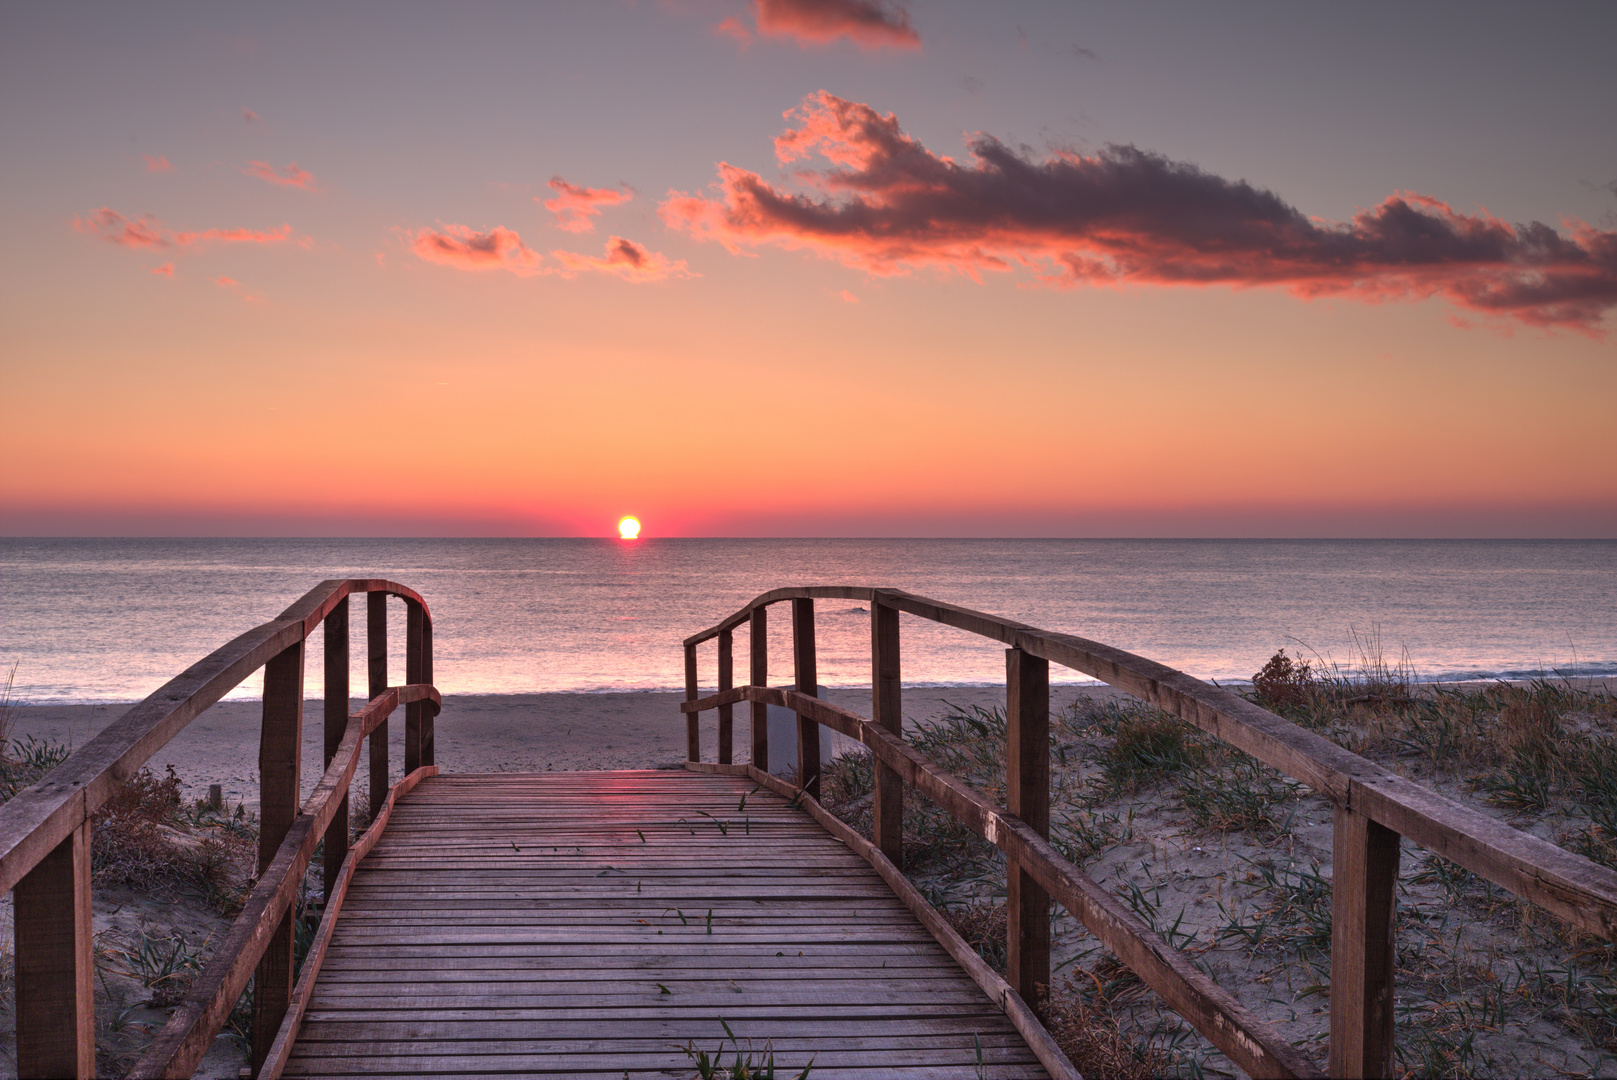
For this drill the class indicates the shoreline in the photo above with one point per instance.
(541, 732)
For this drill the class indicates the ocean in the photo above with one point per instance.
(105, 620)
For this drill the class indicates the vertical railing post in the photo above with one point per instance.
(336, 724)
(55, 965)
(727, 680)
(375, 687)
(415, 640)
(758, 658)
(280, 747)
(1364, 879)
(807, 679)
(1027, 796)
(429, 712)
(693, 736)
(886, 701)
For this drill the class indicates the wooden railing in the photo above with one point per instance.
(45, 830)
(1374, 808)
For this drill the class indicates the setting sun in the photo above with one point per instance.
(629, 528)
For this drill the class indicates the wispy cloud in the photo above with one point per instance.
(157, 163)
(465, 248)
(575, 206)
(248, 115)
(166, 270)
(291, 176)
(734, 29)
(871, 24)
(885, 203)
(625, 259)
(500, 248)
(147, 232)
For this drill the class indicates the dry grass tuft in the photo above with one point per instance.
(1083, 1023)
(982, 924)
(143, 838)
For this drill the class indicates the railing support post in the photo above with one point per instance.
(807, 679)
(727, 680)
(417, 669)
(54, 964)
(1027, 795)
(1364, 879)
(886, 710)
(758, 659)
(336, 723)
(375, 687)
(693, 736)
(279, 772)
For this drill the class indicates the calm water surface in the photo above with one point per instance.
(112, 619)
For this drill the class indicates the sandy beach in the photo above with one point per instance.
(477, 732)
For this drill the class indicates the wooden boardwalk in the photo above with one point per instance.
(592, 924)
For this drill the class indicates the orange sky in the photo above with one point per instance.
(350, 376)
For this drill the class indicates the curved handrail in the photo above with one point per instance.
(1575, 889)
(1374, 809)
(37, 819)
(1243, 1037)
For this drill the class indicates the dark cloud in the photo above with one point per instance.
(869, 23)
(886, 203)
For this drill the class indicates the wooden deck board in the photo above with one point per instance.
(559, 925)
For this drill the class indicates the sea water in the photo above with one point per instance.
(95, 620)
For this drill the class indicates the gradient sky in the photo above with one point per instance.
(823, 268)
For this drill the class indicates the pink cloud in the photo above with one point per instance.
(147, 232)
(248, 115)
(733, 28)
(574, 206)
(870, 24)
(847, 297)
(885, 203)
(225, 282)
(626, 259)
(465, 249)
(157, 163)
(166, 270)
(291, 176)
(114, 228)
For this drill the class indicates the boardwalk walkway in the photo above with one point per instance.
(590, 924)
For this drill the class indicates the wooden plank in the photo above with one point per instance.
(336, 723)
(726, 712)
(807, 679)
(376, 685)
(758, 661)
(415, 644)
(55, 980)
(280, 749)
(1027, 795)
(886, 712)
(1364, 882)
(693, 738)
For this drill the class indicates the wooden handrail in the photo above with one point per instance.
(1245, 1039)
(1374, 807)
(192, 1026)
(44, 830)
